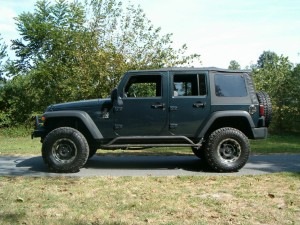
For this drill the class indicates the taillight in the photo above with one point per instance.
(261, 110)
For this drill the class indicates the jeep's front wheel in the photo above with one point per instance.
(227, 150)
(65, 150)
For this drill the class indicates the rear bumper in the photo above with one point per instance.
(260, 133)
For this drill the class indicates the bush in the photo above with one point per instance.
(16, 131)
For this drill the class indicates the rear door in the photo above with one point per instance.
(189, 102)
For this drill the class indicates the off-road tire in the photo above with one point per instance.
(227, 150)
(65, 150)
(264, 99)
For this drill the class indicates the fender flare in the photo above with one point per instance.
(83, 116)
(230, 113)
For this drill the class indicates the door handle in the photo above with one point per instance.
(158, 106)
(199, 105)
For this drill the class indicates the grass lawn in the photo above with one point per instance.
(151, 200)
(287, 143)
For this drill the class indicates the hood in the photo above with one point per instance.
(79, 105)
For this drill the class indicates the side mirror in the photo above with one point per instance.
(115, 97)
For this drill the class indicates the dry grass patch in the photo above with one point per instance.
(265, 199)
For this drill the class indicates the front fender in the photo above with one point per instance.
(81, 115)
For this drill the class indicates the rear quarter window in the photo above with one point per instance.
(230, 85)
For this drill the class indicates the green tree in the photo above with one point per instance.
(234, 65)
(69, 51)
(15, 106)
(3, 55)
(3, 116)
(48, 32)
(276, 78)
(267, 57)
(47, 50)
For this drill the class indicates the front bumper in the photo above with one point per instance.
(39, 128)
(37, 133)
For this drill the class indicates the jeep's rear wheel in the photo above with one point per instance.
(227, 150)
(264, 99)
(65, 150)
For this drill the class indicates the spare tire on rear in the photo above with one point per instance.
(264, 99)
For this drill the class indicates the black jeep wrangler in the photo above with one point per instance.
(213, 111)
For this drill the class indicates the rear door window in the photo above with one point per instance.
(189, 85)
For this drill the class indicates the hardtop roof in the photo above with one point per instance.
(182, 69)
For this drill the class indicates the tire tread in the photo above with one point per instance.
(82, 155)
(211, 151)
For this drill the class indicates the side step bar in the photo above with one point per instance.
(152, 141)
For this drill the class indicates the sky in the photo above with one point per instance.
(218, 30)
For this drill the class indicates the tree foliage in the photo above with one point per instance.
(234, 65)
(278, 77)
(267, 57)
(3, 54)
(69, 51)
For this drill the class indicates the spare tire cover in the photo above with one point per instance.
(264, 99)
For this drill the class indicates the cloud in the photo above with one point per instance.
(7, 26)
(8, 12)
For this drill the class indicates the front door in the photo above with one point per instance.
(189, 104)
(144, 109)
